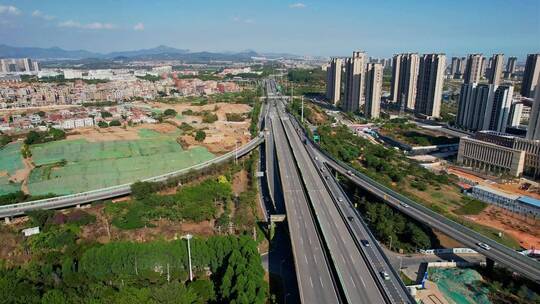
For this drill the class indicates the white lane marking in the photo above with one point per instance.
(315, 258)
(354, 284)
(362, 280)
(320, 279)
(311, 281)
(305, 257)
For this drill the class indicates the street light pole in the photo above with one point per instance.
(302, 108)
(189, 237)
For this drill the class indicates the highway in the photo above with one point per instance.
(357, 282)
(499, 253)
(313, 273)
(7, 211)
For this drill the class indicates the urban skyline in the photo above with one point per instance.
(99, 26)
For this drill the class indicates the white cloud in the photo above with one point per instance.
(9, 9)
(139, 26)
(89, 26)
(297, 5)
(40, 14)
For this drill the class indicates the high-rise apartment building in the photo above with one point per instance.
(473, 68)
(430, 85)
(404, 79)
(484, 67)
(500, 109)
(531, 77)
(354, 81)
(454, 66)
(496, 69)
(484, 107)
(511, 65)
(333, 80)
(473, 102)
(374, 78)
(18, 65)
(533, 131)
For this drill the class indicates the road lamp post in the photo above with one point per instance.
(189, 237)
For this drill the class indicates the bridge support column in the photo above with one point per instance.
(7, 220)
(78, 206)
(490, 264)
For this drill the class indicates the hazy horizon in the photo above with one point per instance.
(312, 28)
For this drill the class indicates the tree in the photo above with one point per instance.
(115, 123)
(103, 124)
(54, 296)
(57, 134)
(33, 137)
(105, 114)
(141, 190)
(200, 135)
(39, 217)
(169, 112)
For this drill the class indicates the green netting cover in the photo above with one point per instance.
(460, 285)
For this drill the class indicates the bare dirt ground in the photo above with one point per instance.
(513, 188)
(117, 133)
(221, 136)
(240, 182)
(11, 249)
(526, 231)
(23, 174)
(103, 232)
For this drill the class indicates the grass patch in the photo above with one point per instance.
(471, 207)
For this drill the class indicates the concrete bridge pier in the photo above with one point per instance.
(490, 264)
(7, 220)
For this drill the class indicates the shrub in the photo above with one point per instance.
(103, 124)
(115, 123)
(170, 112)
(209, 118)
(200, 135)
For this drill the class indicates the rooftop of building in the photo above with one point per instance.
(530, 201)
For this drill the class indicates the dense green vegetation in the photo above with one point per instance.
(306, 75)
(4, 140)
(505, 288)
(125, 272)
(60, 79)
(149, 77)
(37, 137)
(19, 197)
(170, 112)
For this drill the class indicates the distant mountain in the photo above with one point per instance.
(158, 53)
(7, 51)
(160, 50)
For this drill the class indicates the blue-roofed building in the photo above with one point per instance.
(522, 205)
(530, 206)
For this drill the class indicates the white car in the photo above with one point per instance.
(484, 246)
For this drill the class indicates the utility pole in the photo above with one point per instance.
(302, 108)
(189, 237)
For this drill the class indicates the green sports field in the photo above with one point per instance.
(71, 166)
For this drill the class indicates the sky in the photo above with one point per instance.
(320, 28)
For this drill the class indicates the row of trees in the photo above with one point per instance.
(157, 272)
(38, 137)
